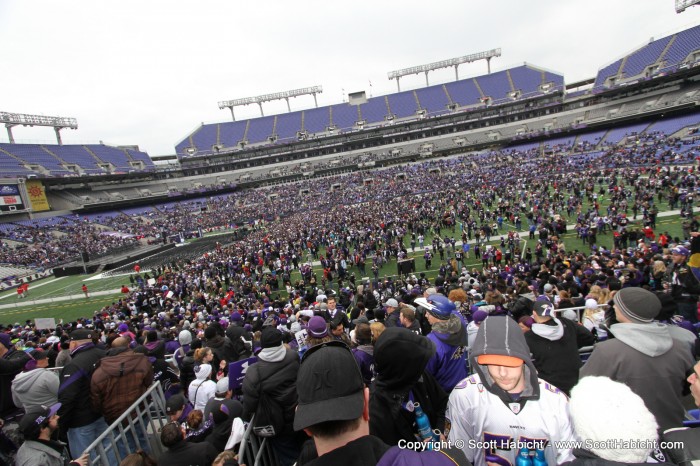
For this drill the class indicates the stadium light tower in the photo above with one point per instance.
(58, 123)
(488, 55)
(681, 5)
(286, 95)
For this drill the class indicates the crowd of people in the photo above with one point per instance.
(510, 182)
(372, 369)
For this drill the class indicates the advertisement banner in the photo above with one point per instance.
(37, 196)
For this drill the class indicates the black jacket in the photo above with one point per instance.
(279, 380)
(74, 391)
(557, 360)
(189, 454)
(223, 350)
(237, 335)
(10, 365)
(400, 358)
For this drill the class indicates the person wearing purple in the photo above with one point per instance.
(364, 352)
(449, 363)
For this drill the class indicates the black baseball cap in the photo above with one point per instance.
(82, 334)
(174, 404)
(329, 385)
(35, 417)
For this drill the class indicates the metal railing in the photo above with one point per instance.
(140, 423)
(256, 449)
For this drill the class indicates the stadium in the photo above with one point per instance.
(478, 184)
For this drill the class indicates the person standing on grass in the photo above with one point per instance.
(85, 290)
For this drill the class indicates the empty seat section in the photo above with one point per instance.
(526, 80)
(35, 155)
(433, 99)
(374, 110)
(205, 138)
(403, 104)
(344, 116)
(606, 72)
(260, 129)
(464, 92)
(316, 120)
(112, 155)
(288, 124)
(686, 42)
(495, 85)
(637, 61)
(76, 155)
(616, 135)
(232, 132)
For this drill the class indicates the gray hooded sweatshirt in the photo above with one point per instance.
(35, 387)
(502, 335)
(647, 359)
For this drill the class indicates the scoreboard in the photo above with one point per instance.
(10, 198)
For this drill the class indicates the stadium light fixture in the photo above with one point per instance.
(57, 123)
(681, 5)
(452, 62)
(286, 95)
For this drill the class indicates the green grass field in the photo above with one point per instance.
(70, 303)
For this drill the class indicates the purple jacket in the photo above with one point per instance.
(364, 355)
(449, 363)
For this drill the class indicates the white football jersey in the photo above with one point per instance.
(490, 430)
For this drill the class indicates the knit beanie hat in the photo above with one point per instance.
(603, 410)
(637, 304)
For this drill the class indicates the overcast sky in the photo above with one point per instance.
(148, 72)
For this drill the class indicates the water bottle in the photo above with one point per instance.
(422, 423)
(539, 460)
(523, 458)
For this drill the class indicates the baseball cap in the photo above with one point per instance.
(174, 404)
(82, 334)
(317, 327)
(222, 385)
(34, 417)
(499, 360)
(543, 307)
(391, 303)
(680, 250)
(329, 386)
(437, 305)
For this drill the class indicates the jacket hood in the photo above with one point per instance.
(124, 363)
(531, 296)
(451, 331)
(552, 330)
(24, 381)
(652, 339)
(502, 335)
(400, 357)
